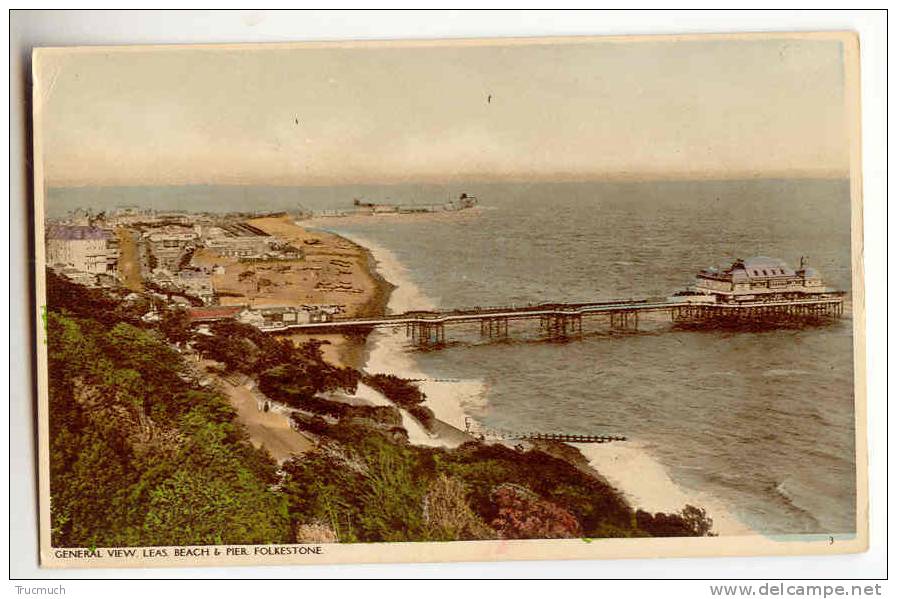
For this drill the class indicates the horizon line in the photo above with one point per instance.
(646, 177)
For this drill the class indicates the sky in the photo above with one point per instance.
(585, 109)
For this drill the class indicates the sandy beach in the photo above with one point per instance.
(334, 271)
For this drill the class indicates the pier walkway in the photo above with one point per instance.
(563, 320)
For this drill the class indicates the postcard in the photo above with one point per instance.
(438, 300)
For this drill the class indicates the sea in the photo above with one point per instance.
(755, 426)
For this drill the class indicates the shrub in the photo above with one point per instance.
(312, 424)
(64, 296)
(388, 416)
(521, 514)
(371, 490)
(295, 386)
(424, 415)
(165, 459)
(448, 515)
(315, 532)
(594, 503)
(400, 391)
(690, 522)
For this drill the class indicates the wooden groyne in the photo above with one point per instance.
(565, 437)
(473, 428)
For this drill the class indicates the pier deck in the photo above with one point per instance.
(563, 320)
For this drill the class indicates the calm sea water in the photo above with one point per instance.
(763, 421)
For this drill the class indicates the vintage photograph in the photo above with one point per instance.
(486, 299)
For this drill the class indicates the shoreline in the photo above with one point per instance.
(382, 349)
(645, 483)
(385, 348)
(357, 349)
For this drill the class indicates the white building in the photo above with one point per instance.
(759, 277)
(238, 240)
(83, 248)
(281, 318)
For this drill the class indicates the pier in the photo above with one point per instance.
(759, 291)
(564, 321)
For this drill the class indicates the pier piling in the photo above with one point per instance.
(561, 326)
(494, 327)
(425, 334)
(624, 320)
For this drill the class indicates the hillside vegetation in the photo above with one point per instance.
(141, 453)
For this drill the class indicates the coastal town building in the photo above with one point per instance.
(267, 319)
(213, 313)
(286, 251)
(167, 244)
(279, 318)
(82, 248)
(759, 276)
(236, 240)
(129, 215)
(188, 282)
(197, 283)
(237, 247)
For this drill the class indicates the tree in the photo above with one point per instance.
(216, 505)
(697, 520)
(139, 456)
(176, 325)
(690, 522)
